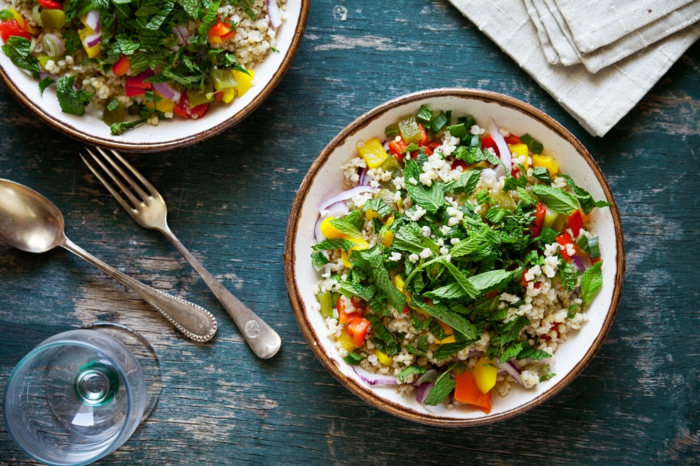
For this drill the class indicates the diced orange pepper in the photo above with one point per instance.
(344, 317)
(357, 329)
(467, 391)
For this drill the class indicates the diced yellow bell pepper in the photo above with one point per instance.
(345, 259)
(390, 220)
(228, 95)
(245, 82)
(164, 105)
(346, 341)
(547, 162)
(23, 23)
(383, 358)
(329, 231)
(373, 152)
(93, 51)
(520, 150)
(449, 338)
(370, 214)
(398, 282)
(388, 239)
(485, 374)
(361, 244)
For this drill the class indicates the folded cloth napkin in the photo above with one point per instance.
(546, 14)
(601, 22)
(598, 101)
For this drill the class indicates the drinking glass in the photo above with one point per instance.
(79, 395)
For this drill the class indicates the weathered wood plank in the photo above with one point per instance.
(229, 200)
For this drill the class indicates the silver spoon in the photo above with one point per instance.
(31, 223)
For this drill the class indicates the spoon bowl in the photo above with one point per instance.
(29, 221)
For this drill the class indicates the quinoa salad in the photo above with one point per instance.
(130, 62)
(455, 260)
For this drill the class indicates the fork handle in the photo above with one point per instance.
(261, 338)
(192, 320)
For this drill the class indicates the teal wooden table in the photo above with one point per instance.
(229, 200)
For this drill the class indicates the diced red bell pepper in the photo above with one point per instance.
(427, 150)
(563, 240)
(357, 303)
(596, 260)
(425, 139)
(343, 316)
(50, 4)
(397, 148)
(433, 145)
(406, 310)
(575, 222)
(524, 282)
(121, 67)
(459, 163)
(487, 141)
(217, 32)
(219, 96)
(357, 329)
(138, 81)
(536, 226)
(491, 294)
(183, 108)
(513, 140)
(12, 28)
(133, 91)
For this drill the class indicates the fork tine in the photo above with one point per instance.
(115, 179)
(128, 179)
(109, 187)
(137, 174)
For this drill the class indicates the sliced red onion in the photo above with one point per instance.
(423, 391)
(93, 39)
(92, 20)
(43, 75)
(429, 376)
(503, 150)
(339, 209)
(317, 230)
(181, 33)
(579, 263)
(512, 370)
(53, 46)
(167, 91)
(345, 195)
(273, 14)
(375, 379)
(363, 177)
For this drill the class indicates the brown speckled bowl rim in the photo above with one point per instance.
(145, 147)
(290, 257)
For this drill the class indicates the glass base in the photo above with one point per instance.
(144, 354)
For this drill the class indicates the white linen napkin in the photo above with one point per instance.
(598, 101)
(601, 22)
(562, 40)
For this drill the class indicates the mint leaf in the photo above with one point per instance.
(495, 215)
(365, 292)
(454, 320)
(491, 280)
(44, 83)
(584, 197)
(442, 388)
(17, 50)
(72, 101)
(533, 354)
(391, 131)
(556, 199)
(509, 331)
(567, 274)
(318, 260)
(354, 359)
(450, 349)
(374, 260)
(346, 228)
(525, 197)
(334, 243)
(430, 199)
(511, 351)
(591, 282)
(541, 174)
(461, 280)
(465, 184)
(410, 370)
(118, 129)
(389, 346)
(377, 205)
(533, 144)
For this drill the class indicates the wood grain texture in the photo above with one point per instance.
(229, 199)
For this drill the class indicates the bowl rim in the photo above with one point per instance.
(366, 393)
(145, 147)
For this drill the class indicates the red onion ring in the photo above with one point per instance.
(181, 33)
(423, 391)
(363, 176)
(93, 39)
(345, 195)
(503, 150)
(92, 20)
(375, 379)
(167, 91)
(273, 14)
(579, 263)
(512, 370)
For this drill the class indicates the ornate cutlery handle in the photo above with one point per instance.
(261, 338)
(192, 320)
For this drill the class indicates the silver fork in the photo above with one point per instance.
(149, 211)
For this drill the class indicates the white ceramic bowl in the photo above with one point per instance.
(325, 179)
(168, 134)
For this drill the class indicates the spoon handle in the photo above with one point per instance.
(192, 320)
(261, 338)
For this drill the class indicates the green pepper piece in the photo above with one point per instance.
(326, 305)
(410, 131)
(43, 59)
(114, 116)
(223, 80)
(201, 96)
(554, 220)
(53, 19)
(392, 166)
